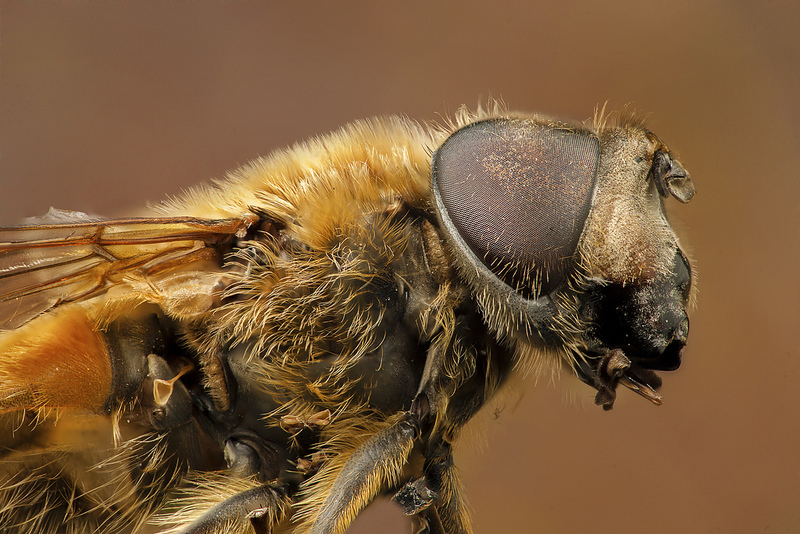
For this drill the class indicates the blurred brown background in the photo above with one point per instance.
(106, 106)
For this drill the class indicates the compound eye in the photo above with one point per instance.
(517, 194)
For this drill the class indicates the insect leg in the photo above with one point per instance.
(457, 379)
(378, 461)
(441, 471)
(435, 498)
(428, 522)
(261, 507)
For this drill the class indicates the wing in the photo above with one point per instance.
(45, 265)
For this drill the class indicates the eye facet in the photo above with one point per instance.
(518, 193)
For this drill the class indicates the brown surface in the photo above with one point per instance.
(106, 106)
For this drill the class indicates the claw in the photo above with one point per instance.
(415, 496)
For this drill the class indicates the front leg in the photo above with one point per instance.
(261, 507)
(372, 466)
(459, 375)
(428, 522)
(452, 398)
(435, 498)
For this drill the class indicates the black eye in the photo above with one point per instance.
(517, 194)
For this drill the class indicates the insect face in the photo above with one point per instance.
(561, 233)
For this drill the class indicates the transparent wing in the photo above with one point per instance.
(45, 265)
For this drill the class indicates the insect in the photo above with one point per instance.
(274, 350)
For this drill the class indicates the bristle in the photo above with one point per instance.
(626, 117)
(348, 437)
(198, 494)
(55, 361)
(600, 118)
(51, 495)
